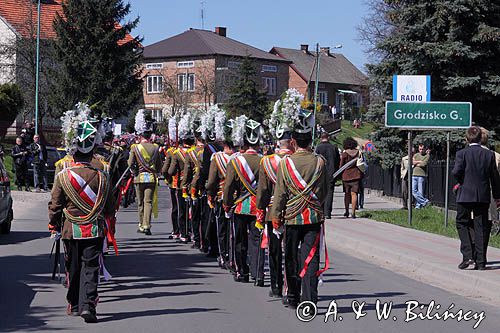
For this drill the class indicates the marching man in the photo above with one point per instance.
(145, 163)
(81, 198)
(242, 178)
(300, 190)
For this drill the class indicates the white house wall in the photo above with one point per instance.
(7, 59)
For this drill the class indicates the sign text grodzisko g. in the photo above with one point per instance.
(430, 115)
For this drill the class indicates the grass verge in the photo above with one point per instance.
(428, 219)
(349, 131)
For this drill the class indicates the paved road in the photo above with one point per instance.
(161, 286)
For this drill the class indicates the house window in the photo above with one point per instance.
(157, 115)
(269, 84)
(155, 84)
(323, 97)
(186, 82)
(233, 64)
(269, 68)
(154, 66)
(185, 64)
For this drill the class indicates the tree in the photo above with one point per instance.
(11, 103)
(245, 96)
(454, 42)
(96, 61)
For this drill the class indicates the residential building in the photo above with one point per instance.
(341, 85)
(195, 69)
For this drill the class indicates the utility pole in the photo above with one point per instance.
(37, 80)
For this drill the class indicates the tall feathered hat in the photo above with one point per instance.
(172, 130)
(186, 126)
(289, 116)
(212, 124)
(246, 130)
(80, 130)
(142, 125)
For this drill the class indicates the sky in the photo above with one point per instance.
(260, 23)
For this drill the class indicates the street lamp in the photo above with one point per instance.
(37, 83)
(316, 83)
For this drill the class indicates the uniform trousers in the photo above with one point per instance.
(255, 252)
(173, 215)
(83, 272)
(305, 236)
(222, 225)
(145, 192)
(182, 210)
(275, 260)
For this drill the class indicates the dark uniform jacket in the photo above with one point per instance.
(234, 188)
(192, 169)
(176, 168)
(331, 154)
(306, 164)
(216, 179)
(265, 188)
(60, 199)
(137, 168)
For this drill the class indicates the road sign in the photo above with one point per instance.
(431, 115)
(411, 88)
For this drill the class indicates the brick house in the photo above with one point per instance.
(194, 70)
(18, 31)
(341, 84)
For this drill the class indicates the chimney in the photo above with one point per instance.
(325, 51)
(304, 48)
(221, 31)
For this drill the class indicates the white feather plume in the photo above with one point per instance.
(172, 129)
(70, 121)
(140, 122)
(239, 130)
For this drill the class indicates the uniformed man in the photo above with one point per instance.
(176, 168)
(215, 186)
(145, 163)
(267, 179)
(242, 177)
(300, 190)
(191, 189)
(173, 183)
(80, 201)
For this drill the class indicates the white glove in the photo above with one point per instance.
(278, 232)
(228, 215)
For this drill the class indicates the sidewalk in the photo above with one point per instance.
(422, 256)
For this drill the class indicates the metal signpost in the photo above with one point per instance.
(428, 116)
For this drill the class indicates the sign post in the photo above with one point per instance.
(428, 116)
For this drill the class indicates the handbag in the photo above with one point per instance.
(361, 163)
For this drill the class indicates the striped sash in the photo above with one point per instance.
(221, 160)
(303, 196)
(245, 174)
(270, 164)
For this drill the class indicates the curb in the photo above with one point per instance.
(466, 283)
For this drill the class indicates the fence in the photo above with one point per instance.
(389, 182)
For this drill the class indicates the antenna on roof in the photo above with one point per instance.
(202, 2)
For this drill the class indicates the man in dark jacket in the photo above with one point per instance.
(20, 154)
(476, 173)
(331, 154)
(39, 153)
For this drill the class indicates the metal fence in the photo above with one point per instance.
(389, 182)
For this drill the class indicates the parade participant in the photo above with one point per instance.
(299, 193)
(241, 178)
(190, 187)
(212, 130)
(20, 155)
(172, 181)
(267, 179)
(215, 185)
(176, 168)
(145, 164)
(80, 201)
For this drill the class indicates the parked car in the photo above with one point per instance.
(6, 212)
(53, 155)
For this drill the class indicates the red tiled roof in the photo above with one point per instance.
(22, 16)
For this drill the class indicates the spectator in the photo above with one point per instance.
(404, 180)
(351, 176)
(27, 133)
(39, 153)
(493, 212)
(331, 153)
(420, 161)
(476, 173)
(2, 152)
(20, 154)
